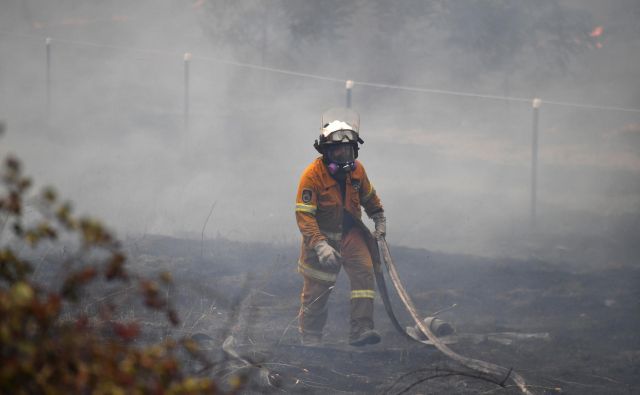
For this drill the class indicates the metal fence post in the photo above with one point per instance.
(349, 86)
(47, 43)
(187, 60)
(534, 161)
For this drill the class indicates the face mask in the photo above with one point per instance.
(340, 154)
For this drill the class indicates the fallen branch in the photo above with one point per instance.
(429, 378)
(439, 372)
(554, 389)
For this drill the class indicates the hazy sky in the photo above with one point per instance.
(453, 172)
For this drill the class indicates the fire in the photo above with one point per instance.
(597, 31)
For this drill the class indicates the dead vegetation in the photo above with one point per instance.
(224, 319)
(564, 330)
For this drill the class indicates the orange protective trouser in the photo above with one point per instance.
(357, 262)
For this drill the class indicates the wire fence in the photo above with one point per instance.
(191, 86)
(187, 56)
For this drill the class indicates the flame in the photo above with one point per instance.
(597, 31)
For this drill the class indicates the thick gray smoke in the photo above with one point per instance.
(453, 171)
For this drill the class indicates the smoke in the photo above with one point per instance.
(452, 171)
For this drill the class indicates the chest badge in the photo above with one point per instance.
(356, 185)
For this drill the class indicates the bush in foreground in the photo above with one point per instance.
(47, 343)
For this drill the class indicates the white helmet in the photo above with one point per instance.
(339, 125)
(339, 138)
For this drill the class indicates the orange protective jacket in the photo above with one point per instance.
(319, 205)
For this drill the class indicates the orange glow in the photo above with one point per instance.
(597, 32)
(631, 128)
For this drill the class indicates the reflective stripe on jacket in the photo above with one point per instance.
(319, 205)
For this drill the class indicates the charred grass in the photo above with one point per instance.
(586, 322)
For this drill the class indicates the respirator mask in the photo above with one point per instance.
(340, 158)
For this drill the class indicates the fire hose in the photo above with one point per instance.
(492, 372)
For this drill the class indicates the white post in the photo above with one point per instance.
(349, 86)
(534, 161)
(187, 60)
(47, 43)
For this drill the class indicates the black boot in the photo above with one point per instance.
(368, 336)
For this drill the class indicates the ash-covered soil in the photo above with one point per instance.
(565, 328)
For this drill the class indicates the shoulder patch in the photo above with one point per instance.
(307, 195)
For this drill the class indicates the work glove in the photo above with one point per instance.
(327, 256)
(381, 225)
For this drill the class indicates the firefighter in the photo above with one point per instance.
(330, 194)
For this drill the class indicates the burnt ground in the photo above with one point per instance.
(586, 321)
